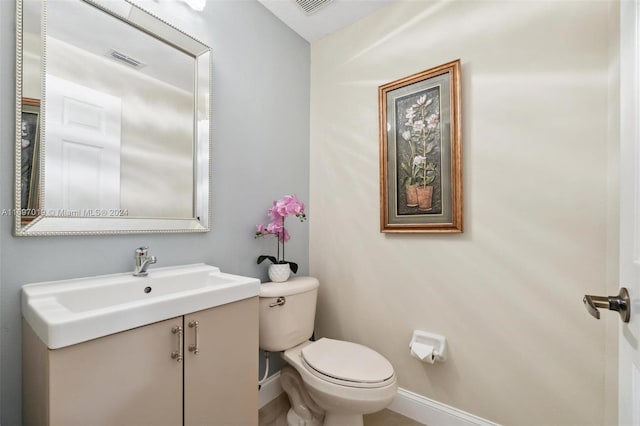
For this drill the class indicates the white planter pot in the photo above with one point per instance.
(279, 272)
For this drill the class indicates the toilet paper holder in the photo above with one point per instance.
(428, 347)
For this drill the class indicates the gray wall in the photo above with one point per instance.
(260, 152)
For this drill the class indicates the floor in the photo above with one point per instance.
(275, 412)
(389, 418)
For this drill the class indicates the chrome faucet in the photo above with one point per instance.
(143, 260)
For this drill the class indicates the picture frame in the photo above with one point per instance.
(421, 152)
(30, 159)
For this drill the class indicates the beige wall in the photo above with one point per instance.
(31, 66)
(540, 227)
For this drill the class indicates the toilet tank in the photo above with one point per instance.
(287, 322)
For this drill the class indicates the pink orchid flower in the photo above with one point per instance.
(289, 205)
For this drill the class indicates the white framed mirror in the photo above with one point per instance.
(112, 121)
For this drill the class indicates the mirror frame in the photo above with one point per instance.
(50, 225)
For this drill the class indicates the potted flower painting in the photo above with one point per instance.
(289, 205)
(420, 136)
(420, 152)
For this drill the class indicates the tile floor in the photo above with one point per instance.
(389, 418)
(275, 414)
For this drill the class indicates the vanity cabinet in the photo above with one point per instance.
(136, 377)
(221, 381)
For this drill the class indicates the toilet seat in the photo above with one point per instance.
(347, 364)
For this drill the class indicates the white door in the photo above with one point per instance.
(629, 352)
(82, 147)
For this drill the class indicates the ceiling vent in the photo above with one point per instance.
(121, 57)
(311, 6)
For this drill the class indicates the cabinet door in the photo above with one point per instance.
(221, 381)
(127, 378)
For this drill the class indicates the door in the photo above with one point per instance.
(127, 378)
(82, 147)
(629, 338)
(221, 376)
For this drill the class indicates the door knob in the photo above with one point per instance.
(619, 303)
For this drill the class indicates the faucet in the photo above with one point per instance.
(143, 260)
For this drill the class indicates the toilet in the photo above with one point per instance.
(329, 382)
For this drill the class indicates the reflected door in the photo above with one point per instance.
(82, 148)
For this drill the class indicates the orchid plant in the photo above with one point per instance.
(289, 205)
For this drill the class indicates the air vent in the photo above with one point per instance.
(125, 58)
(311, 6)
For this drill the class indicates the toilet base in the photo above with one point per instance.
(304, 411)
(332, 419)
(294, 419)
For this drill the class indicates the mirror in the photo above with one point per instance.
(113, 108)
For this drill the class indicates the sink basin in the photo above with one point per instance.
(67, 312)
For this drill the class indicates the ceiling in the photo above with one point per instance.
(325, 20)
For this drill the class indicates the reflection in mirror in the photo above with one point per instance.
(29, 145)
(120, 140)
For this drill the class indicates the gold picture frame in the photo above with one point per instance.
(421, 152)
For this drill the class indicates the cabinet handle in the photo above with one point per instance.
(195, 348)
(177, 355)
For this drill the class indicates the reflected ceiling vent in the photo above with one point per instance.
(311, 6)
(121, 57)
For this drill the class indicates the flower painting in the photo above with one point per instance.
(420, 152)
(29, 158)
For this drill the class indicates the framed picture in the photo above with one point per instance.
(420, 152)
(30, 155)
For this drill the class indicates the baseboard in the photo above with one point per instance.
(433, 413)
(407, 403)
(269, 390)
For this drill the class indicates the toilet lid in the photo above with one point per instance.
(347, 361)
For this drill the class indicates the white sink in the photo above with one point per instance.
(67, 312)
